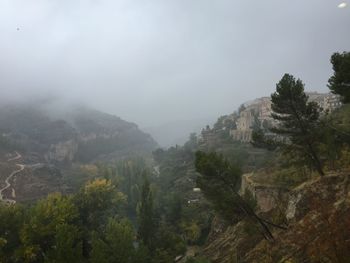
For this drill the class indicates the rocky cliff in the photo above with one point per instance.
(317, 213)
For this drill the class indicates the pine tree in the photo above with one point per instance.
(220, 182)
(146, 217)
(339, 83)
(298, 121)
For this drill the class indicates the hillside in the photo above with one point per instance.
(317, 214)
(50, 147)
(81, 134)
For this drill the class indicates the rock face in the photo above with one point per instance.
(227, 244)
(318, 214)
(260, 108)
(62, 151)
(267, 196)
(319, 230)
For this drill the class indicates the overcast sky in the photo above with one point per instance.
(151, 61)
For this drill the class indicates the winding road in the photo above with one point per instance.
(7, 181)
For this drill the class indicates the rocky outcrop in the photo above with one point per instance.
(318, 215)
(62, 151)
(319, 224)
(268, 197)
(228, 244)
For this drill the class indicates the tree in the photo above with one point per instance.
(146, 215)
(261, 140)
(220, 181)
(115, 244)
(96, 201)
(11, 219)
(339, 83)
(67, 245)
(298, 121)
(49, 230)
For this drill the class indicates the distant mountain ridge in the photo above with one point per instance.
(81, 134)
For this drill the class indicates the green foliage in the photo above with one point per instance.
(219, 181)
(339, 83)
(129, 176)
(169, 241)
(298, 121)
(335, 135)
(69, 229)
(261, 140)
(49, 230)
(95, 202)
(141, 255)
(114, 244)
(67, 245)
(11, 220)
(162, 256)
(146, 216)
(192, 231)
(173, 208)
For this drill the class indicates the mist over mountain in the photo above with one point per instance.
(74, 132)
(150, 61)
(174, 131)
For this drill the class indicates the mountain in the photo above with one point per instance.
(80, 134)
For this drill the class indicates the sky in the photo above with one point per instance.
(157, 61)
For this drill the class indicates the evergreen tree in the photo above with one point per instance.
(220, 181)
(298, 121)
(339, 83)
(146, 215)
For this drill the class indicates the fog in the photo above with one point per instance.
(157, 61)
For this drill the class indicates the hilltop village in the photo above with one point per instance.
(240, 124)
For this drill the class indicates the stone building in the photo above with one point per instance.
(331, 102)
(244, 123)
(260, 109)
(327, 101)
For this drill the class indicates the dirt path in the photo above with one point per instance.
(7, 181)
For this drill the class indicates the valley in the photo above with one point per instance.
(174, 131)
(160, 193)
(268, 182)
